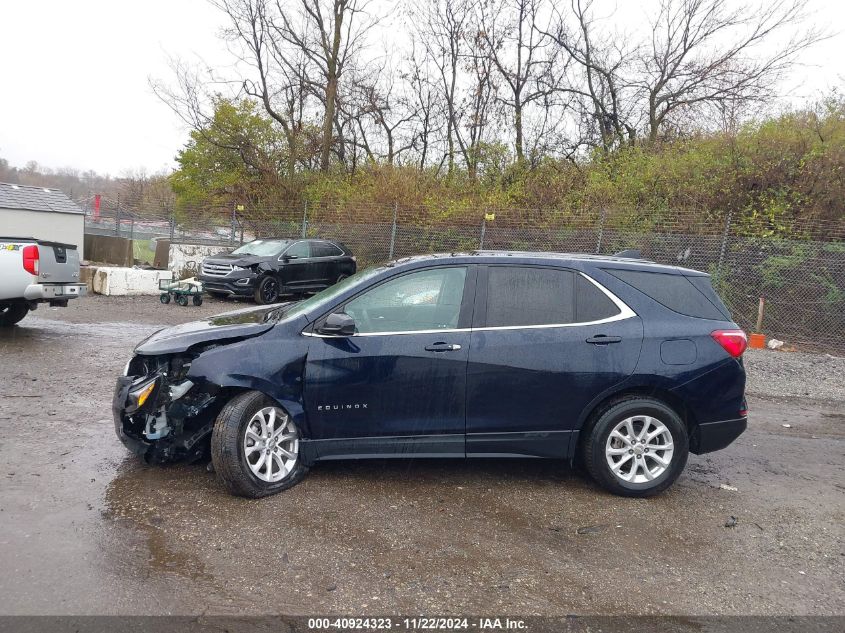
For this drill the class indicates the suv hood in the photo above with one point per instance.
(238, 260)
(239, 324)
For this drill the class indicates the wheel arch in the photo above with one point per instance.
(592, 413)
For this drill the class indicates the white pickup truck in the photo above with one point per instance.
(35, 271)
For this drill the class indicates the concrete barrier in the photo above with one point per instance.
(121, 282)
(184, 260)
(108, 249)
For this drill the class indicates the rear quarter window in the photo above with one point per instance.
(677, 292)
(591, 304)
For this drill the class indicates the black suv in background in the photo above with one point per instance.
(267, 269)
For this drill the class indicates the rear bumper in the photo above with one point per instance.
(714, 436)
(45, 292)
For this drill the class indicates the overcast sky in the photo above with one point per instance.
(76, 90)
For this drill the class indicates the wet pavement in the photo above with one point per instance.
(88, 529)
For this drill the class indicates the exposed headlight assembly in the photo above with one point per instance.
(139, 395)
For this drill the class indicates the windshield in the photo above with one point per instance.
(326, 296)
(262, 248)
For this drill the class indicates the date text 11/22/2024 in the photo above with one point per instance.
(417, 624)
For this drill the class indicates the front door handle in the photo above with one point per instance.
(603, 339)
(442, 347)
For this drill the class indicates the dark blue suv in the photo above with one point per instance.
(620, 364)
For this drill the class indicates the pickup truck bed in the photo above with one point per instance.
(36, 271)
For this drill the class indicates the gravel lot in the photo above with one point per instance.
(88, 529)
(773, 373)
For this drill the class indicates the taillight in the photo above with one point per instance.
(30, 259)
(733, 341)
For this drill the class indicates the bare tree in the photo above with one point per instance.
(710, 52)
(298, 49)
(600, 74)
(521, 54)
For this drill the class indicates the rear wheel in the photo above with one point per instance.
(267, 290)
(197, 300)
(182, 300)
(11, 313)
(636, 448)
(255, 447)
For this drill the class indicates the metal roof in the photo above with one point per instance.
(36, 199)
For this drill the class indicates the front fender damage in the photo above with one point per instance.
(176, 420)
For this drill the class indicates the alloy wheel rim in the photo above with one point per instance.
(271, 444)
(270, 291)
(639, 449)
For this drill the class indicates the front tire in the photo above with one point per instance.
(12, 313)
(267, 290)
(255, 447)
(637, 447)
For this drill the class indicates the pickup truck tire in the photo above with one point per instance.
(636, 447)
(11, 313)
(237, 447)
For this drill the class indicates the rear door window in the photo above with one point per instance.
(676, 292)
(325, 249)
(525, 295)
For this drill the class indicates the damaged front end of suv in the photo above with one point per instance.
(166, 402)
(159, 413)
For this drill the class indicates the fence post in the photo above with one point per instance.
(233, 234)
(117, 217)
(393, 231)
(724, 245)
(172, 226)
(483, 231)
(600, 232)
(305, 218)
(132, 228)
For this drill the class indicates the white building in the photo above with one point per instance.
(40, 213)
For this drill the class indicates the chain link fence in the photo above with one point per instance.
(799, 269)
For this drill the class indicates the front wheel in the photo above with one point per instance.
(255, 447)
(267, 290)
(636, 448)
(11, 313)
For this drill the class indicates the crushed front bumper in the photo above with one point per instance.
(121, 395)
(229, 286)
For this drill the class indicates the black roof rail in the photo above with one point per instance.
(631, 253)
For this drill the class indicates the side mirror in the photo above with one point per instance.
(338, 324)
(287, 258)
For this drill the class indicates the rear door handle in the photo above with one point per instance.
(603, 339)
(442, 347)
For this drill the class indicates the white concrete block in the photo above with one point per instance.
(185, 259)
(120, 282)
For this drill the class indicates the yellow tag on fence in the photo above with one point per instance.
(489, 216)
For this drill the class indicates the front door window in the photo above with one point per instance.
(425, 300)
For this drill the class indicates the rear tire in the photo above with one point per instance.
(12, 313)
(165, 299)
(237, 462)
(197, 300)
(637, 447)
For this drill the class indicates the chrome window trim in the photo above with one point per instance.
(625, 312)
